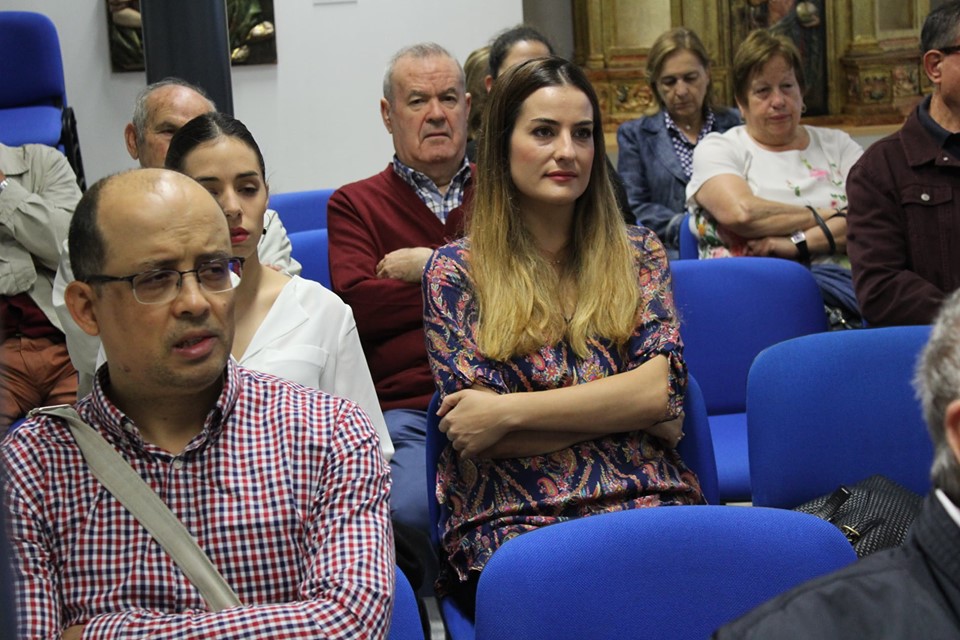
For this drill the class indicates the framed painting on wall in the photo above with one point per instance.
(250, 24)
(804, 22)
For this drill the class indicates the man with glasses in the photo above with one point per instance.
(283, 487)
(903, 234)
(160, 109)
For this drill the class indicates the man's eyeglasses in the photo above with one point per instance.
(162, 285)
(946, 51)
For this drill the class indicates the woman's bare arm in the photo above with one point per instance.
(730, 201)
(482, 423)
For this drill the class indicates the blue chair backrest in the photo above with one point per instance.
(731, 309)
(435, 444)
(302, 210)
(835, 408)
(458, 625)
(405, 624)
(696, 447)
(32, 93)
(310, 249)
(658, 572)
(689, 249)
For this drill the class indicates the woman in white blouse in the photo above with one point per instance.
(774, 187)
(286, 326)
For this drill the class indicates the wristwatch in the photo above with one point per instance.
(3, 184)
(799, 239)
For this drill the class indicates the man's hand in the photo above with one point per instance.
(470, 420)
(404, 264)
(72, 633)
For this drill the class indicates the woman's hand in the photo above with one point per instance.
(670, 431)
(472, 420)
(775, 246)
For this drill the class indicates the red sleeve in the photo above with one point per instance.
(382, 307)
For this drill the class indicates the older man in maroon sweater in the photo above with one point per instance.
(383, 229)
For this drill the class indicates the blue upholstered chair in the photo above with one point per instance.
(731, 309)
(689, 249)
(835, 408)
(659, 572)
(309, 248)
(405, 624)
(302, 210)
(696, 447)
(33, 97)
(459, 626)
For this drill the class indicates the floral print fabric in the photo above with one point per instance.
(493, 500)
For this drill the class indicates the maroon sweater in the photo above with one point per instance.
(367, 220)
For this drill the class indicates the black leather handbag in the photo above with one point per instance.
(873, 514)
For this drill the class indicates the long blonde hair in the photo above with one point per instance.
(517, 289)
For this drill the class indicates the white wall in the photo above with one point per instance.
(315, 114)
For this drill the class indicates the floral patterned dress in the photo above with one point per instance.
(493, 500)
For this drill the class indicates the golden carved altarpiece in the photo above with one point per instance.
(873, 72)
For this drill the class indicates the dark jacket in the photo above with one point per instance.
(654, 178)
(903, 227)
(908, 592)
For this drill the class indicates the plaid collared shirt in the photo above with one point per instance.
(682, 145)
(440, 203)
(285, 490)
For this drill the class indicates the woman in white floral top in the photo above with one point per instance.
(774, 187)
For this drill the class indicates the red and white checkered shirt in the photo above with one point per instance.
(285, 490)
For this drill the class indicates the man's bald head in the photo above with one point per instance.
(87, 243)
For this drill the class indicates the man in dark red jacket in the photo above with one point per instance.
(903, 235)
(383, 229)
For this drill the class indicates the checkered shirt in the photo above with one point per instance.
(285, 490)
(682, 145)
(440, 203)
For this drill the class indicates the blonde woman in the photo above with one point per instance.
(551, 333)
